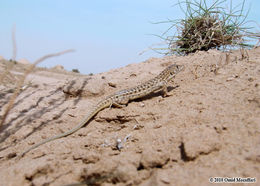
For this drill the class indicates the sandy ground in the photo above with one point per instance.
(209, 126)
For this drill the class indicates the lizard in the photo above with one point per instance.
(121, 99)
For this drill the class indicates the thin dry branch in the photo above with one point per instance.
(14, 43)
(22, 79)
(6, 71)
(257, 44)
(10, 65)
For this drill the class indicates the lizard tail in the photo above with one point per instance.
(56, 137)
(81, 124)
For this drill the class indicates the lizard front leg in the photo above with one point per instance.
(164, 89)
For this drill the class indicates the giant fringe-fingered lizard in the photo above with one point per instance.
(121, 98)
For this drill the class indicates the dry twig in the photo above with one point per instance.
(14, 44)
(21, 82)
(10, 65)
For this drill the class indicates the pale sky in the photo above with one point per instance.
(105, 34)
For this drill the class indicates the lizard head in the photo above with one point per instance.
(172, 70)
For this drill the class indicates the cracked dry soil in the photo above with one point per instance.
(208, 127)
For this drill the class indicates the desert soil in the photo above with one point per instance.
(208, 127)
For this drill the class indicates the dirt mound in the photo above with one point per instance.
(208, 127)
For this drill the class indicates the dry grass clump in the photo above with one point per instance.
(204, 33)
(206, 27)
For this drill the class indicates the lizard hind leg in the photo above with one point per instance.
(120, 103)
